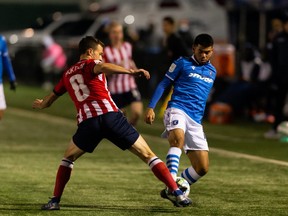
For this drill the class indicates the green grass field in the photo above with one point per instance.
(113, 182)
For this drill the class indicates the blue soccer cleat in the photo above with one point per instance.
(176, 197)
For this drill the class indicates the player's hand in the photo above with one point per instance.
(149, 116)
(38, 104)
(140, 73)
(13, 85)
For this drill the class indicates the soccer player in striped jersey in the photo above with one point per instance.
(123, 87)
(98, 117)
(192, 79)
(5, 63)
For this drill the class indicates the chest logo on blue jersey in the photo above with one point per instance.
(175, 122)
(193, 67)
(198, 76)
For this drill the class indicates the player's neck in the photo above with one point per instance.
(117, 44)
(85, 57)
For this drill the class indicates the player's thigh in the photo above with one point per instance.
(199, 160)
(175, 123)
(73, 152)
(176, 137)
(117, 130)
(142, 150)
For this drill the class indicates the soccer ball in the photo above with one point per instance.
(283, 128)
(183, 185)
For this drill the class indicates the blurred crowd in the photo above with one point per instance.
(257, 91)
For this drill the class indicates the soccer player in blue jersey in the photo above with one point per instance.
(192, 79)
(5, 63)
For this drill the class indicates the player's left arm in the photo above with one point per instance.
(7, 65)
(45, 102)
(109, 69)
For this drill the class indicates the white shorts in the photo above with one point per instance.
(2, 98)
(195, 138)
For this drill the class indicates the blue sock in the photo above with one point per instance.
(190, 175)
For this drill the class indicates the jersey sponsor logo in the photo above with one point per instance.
(172, 67)
(198, 76)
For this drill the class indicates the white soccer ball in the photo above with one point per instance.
(283, 128)
(183, 185)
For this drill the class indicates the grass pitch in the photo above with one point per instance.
(113, 182)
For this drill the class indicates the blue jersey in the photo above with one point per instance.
(192, 84)
(5, 62)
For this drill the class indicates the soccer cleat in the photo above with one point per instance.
(51, 205)
(176, 197)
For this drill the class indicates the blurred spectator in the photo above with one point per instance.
(173, 43)
(184, 32)
(5, 63)
(276, 27)
(53, 61)
(249, 92)
(175, 48)
(279, 62)
(123, 87)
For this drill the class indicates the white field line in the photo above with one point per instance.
(67, 122)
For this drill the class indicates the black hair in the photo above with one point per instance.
(169, 19)
(204, 40)
(87, 43)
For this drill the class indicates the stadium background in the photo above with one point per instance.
(248, 174)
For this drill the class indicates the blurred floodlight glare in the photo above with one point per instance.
(29, 32)
(93, 7)
(13, 39)
(129, 19)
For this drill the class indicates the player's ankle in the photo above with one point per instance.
(56, 199)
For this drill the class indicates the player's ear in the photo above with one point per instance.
(89, 52)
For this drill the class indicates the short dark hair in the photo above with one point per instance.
(204, 40)
(89, 42)
(169, 19)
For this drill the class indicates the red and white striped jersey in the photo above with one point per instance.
(88, 91)
(122, 56)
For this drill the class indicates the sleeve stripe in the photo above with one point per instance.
(169, 77)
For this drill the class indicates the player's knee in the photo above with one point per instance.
(179, 143)
(203, 170)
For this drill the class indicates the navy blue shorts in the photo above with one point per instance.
(112, 126)
(126, 98)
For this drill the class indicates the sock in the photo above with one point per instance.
(162, 173)
(172, 160)
(190, 175)
(63, 176)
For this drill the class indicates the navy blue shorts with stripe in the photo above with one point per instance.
(112, 126)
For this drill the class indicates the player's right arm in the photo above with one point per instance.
(45, 102)
(150, 114)
(167, 81)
